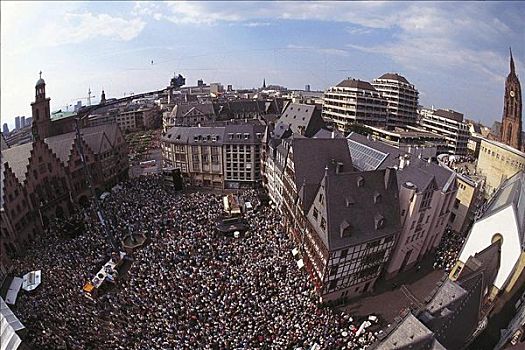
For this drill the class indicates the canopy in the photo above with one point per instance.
(9, 324)
(13, 290)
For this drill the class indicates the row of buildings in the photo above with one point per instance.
(358, 208)
(388, 109)
(45, 178)
(480, 304)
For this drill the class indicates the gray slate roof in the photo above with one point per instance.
(312, 155)
(409, 333)
(221, 134)
(299, 119)
(363, 210)
(419, 172)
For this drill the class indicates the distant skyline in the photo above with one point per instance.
(455, 53)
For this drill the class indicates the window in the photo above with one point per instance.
(316, 213)
(323, 224)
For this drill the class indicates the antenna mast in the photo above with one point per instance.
(106, 230)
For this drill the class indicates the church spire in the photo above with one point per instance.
(264, 83)
(512, 70)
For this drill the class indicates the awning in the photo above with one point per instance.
(13, 290)
(9, 324)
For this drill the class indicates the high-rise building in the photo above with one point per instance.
(354, 101)
(401, 97)
(22, 121)
(5, 129)
(17, 122)
(511, 124)
(449, 124)
(307, 88)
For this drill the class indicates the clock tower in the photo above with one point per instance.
(511, 122)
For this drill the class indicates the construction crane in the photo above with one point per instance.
(106, 230)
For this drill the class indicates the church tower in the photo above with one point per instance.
(41, 114)
(511, 122)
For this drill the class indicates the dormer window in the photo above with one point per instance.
(360, 181)
(379, 221)
(349, 201)
(345, 229)
(377, 198)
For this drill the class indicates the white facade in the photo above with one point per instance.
(480, 237)
(401, 97)
(424, 217)
(354, 101)
(455, 131)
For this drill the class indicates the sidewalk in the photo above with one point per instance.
(408, 289)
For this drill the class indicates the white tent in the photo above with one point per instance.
(12, 292)
(9, 324)
(32, 280)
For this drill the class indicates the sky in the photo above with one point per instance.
(455, 53)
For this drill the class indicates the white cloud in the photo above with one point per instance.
(327, 51)
(423, 35)
(75, 28)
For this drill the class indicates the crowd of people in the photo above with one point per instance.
(448, 250)
(188, 288)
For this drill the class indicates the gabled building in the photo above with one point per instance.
(427, 193)
(45, 179)
(351, 227)
(34, 190)
(453, 315)
(502, 219)
(297, 120)
(188, 114)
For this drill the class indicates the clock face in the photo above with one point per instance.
(511, 93)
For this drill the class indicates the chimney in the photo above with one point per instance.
(338, 167)
(390, 178)
(404, 161)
